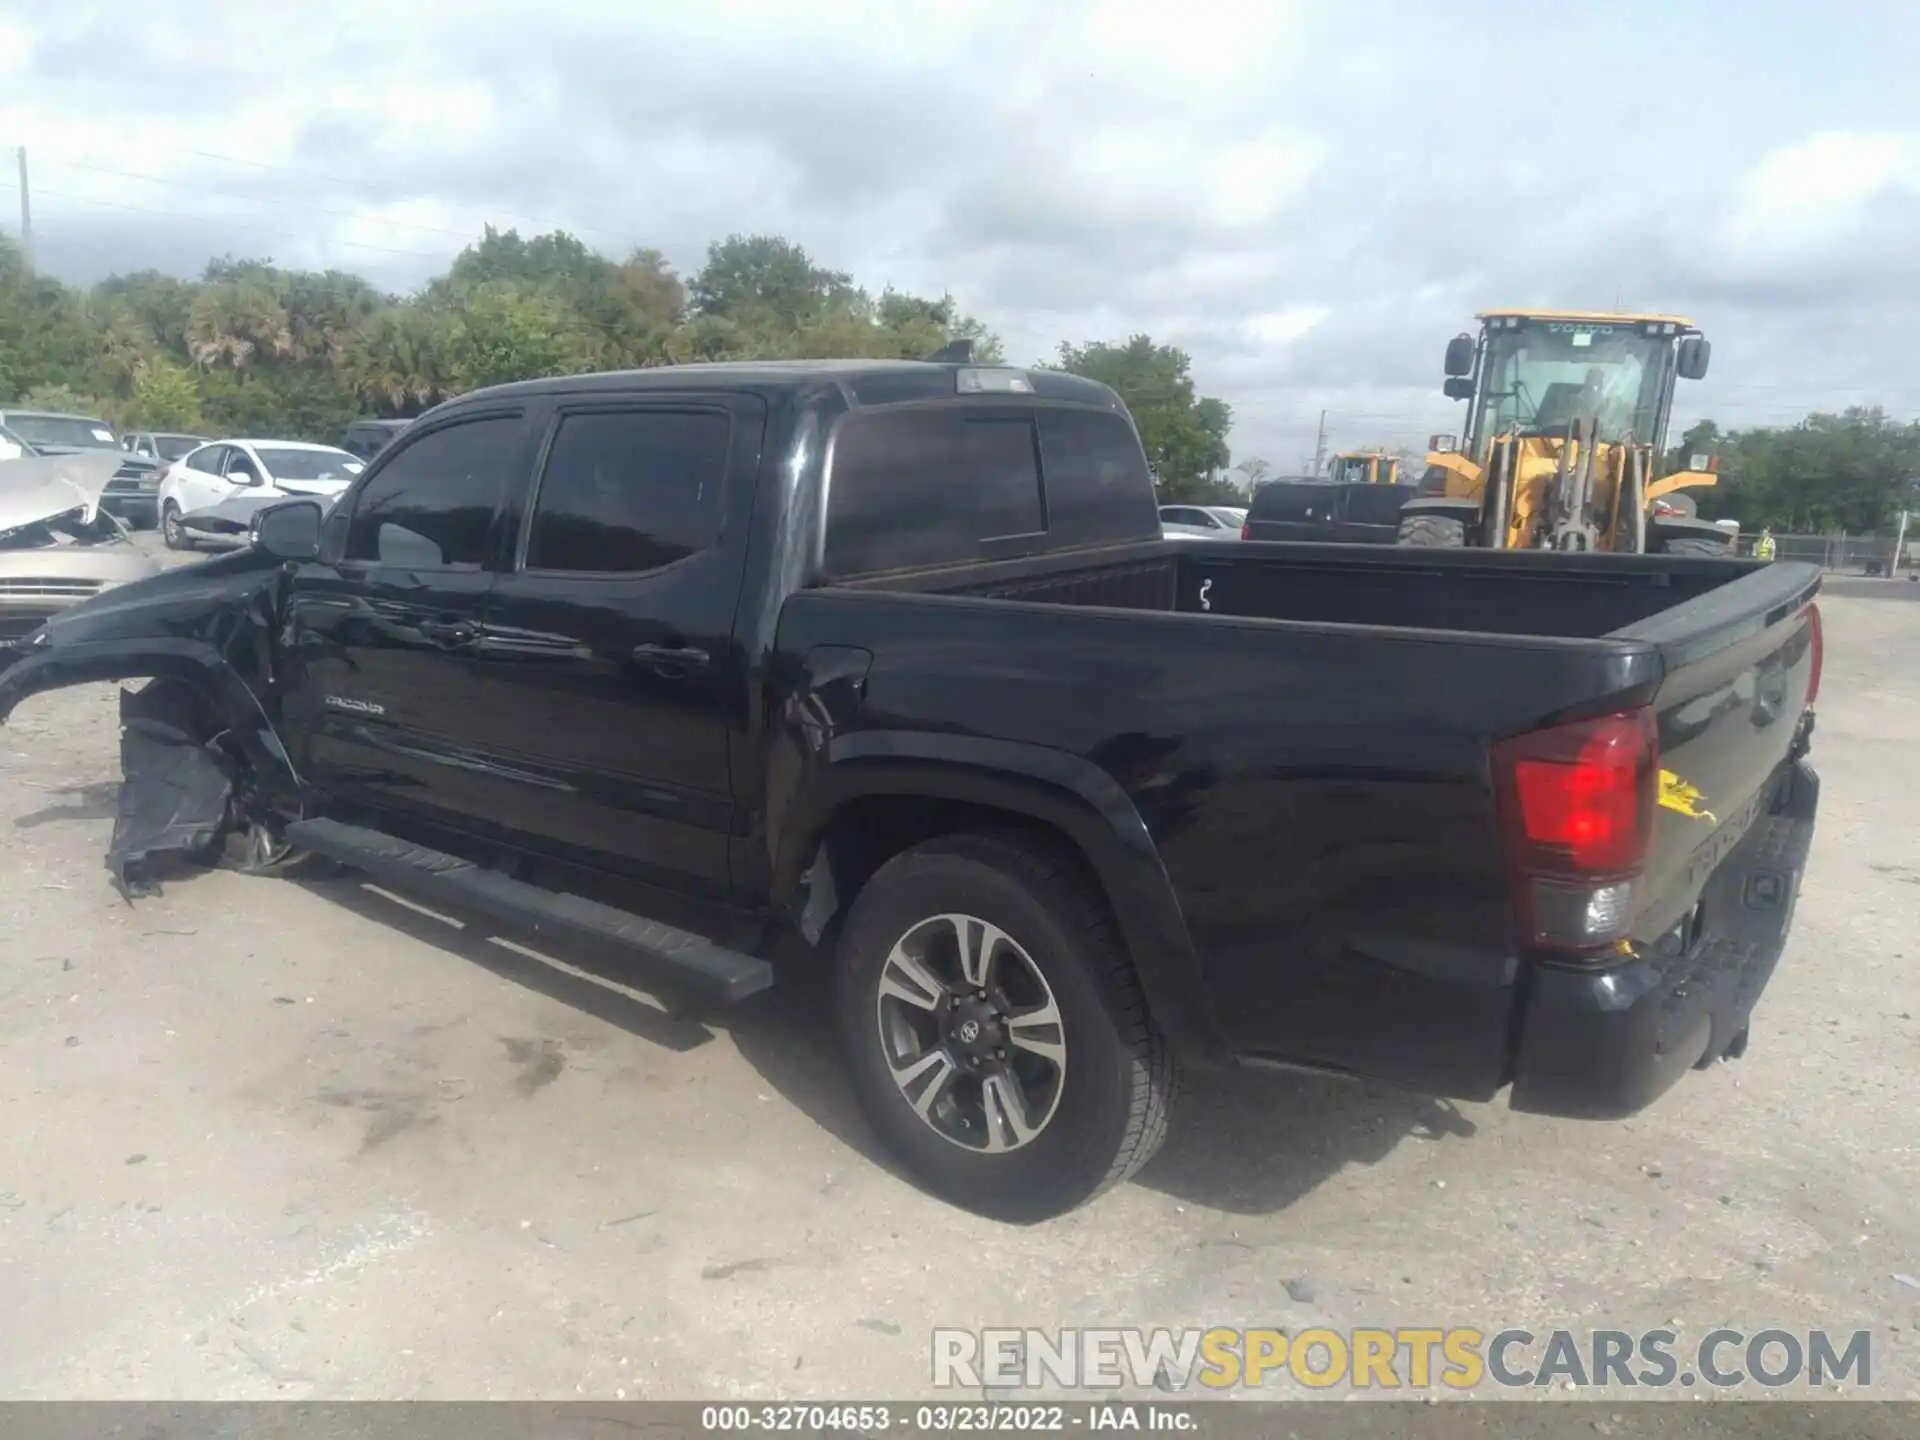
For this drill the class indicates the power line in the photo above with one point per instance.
(462, 235)
(356, 184)
(224, 221)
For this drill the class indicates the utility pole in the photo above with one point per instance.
(26, 209)
(1319, 443)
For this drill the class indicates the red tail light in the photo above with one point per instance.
(1819, 653)
(1577, 805)
(1246, 531)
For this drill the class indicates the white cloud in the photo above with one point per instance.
(1309, 198)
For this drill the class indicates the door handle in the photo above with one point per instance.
(667, 658)
(449, 634)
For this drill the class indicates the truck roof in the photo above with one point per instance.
(864, 382)
(1622, 317)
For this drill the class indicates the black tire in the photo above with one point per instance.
(1117, 1084)
(171, 532)
(1433, 531)
(1695, 545)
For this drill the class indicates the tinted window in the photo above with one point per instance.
(1376, 504)
(1293, 503)
(929, 487)
(629, 492)
(432, 504)
(1176, 515)
(1098, 488)
(207, 458)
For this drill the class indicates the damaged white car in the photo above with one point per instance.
(58, 546)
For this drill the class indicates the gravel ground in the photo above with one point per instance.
(273, 1139)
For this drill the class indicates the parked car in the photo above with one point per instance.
(57, 546)
(264, 469)
(228, 524)
(892, 660)
(1203, 522)
(367, 438)
(1317, 510)
(160, 446)
(132, 490)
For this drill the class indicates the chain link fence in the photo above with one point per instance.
(1846, 554)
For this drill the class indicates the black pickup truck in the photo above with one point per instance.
(889, 662)
(1348, 513)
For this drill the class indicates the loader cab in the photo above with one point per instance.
(1364, 467)
(1537, 372)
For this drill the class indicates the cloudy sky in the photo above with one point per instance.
(1309, 197)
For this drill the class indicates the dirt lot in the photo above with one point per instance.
(267, 1139)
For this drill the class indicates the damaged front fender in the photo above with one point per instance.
(200, 747)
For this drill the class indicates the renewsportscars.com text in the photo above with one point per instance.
(1457, 1358)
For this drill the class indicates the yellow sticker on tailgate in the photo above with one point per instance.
(1677, 794)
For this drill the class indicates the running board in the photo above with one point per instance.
(712, 971)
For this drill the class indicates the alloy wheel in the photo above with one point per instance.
(971, 1033)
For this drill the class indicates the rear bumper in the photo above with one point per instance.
(1602, 1044)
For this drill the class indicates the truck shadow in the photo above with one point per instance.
(1253, 1142)
(87, 802)
(594, 984)
(1244, 1142)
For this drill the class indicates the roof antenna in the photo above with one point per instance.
(954, 352)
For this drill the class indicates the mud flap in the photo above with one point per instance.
(177, 788)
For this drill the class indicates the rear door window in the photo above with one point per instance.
(925, 486)
(627, 492)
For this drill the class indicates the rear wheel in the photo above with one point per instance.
(996, 1035)
(171, 530)
(1435, 531)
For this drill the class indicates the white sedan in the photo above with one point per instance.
(1203, 522)
(257, 469)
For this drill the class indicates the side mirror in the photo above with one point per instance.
(1458, 388)
(1443, 444)
(290, 531)
(1460, 355)
(1691, 361)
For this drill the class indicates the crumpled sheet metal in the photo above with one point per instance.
(176, 788)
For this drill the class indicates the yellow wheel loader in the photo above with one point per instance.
(1566, 425)
(1364, 467)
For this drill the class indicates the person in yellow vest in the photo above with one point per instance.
(1763, 547)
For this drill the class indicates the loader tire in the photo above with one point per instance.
(1438, 532)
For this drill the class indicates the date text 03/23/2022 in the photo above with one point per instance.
(875, 1419)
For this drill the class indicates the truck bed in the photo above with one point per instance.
(1305, 732)
(1512, 593)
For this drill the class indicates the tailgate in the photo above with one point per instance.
(1739, 665)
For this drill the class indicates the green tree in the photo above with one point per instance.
(1252, 471)
(1852, 471)
(1184, 434)
(766, 284)
(501, 332)
(68, 401)
(165, 397)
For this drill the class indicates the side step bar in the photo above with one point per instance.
(712, 971)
